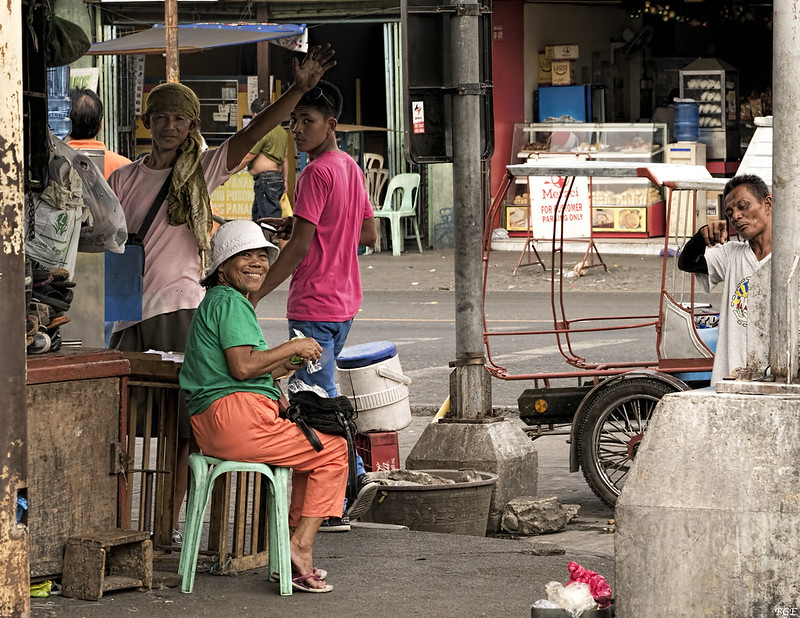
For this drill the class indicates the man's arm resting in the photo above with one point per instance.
(692, 258)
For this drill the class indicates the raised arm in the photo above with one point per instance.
(306, 75)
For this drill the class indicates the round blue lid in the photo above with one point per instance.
(365, 354)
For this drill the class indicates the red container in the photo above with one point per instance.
(379, 450)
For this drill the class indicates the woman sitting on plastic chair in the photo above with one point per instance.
(228, 375)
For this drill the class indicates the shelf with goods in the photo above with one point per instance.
(714, 84)
(620, 201)
(632, 207)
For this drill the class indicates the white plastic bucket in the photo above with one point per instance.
(371, 377)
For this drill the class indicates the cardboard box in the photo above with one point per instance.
(563, 72)
(561, 52)
(545, 71)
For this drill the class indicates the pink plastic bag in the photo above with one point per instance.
(601, 591)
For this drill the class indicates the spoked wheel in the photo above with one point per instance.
(611, 431)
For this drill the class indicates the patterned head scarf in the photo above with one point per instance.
(187, 200)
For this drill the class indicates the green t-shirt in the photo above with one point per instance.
(225, 319)
(273, 145)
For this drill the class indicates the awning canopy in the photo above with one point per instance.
(195, 37)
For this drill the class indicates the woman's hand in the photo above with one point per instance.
(307, 349)
(308, 72)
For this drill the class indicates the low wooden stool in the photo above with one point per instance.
(107, 560)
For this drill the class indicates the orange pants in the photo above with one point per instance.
(246, 427)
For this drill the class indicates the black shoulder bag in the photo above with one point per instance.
(124, 277)
(331, 415)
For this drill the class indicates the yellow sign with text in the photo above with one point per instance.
(234, 199)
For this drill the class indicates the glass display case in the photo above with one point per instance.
(620, 206)
(714, 84)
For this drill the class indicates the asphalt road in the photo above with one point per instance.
(422, 325)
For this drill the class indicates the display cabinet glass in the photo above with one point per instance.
(714, 84)
(620, 206)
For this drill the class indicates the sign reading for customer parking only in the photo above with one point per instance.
(544, 191)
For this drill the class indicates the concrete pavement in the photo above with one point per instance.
(396, 572)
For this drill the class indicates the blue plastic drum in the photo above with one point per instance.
(687, 121)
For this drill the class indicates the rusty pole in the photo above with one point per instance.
(14, 547)
(171, 43)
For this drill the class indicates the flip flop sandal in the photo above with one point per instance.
(31, 325)
(51, 297)
(60, 274)
(58, 321)
(60, 285)
(37, 283)
(299, 583)
(44, 313)
(321, 574)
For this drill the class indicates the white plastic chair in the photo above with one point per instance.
(376, 181)
(372, 160)
(409, 185)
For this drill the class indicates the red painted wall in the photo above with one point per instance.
(509, 80)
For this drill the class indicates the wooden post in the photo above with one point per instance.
(171, 27)
(14, 543)
(262, 55)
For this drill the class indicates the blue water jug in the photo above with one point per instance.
(687, 120)
(58, 101)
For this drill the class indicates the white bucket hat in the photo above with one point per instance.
(236, 236)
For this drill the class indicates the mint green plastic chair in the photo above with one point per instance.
(409, 185)
(204, 470)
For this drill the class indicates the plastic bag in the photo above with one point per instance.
(53, 219)
(575, 597)
(105, 228)
(311, 366)
(598, 586)
(295, 386)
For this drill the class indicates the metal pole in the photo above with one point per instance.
(171, 27)
(785, 189)
(470, 388)
(14, 548)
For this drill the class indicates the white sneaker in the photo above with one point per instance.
(177, 537)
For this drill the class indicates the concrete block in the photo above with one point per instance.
(707, 520)
(532, 516)
(500, 447)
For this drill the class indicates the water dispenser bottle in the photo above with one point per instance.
(58, 102)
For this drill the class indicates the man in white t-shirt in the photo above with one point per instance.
(716, 259)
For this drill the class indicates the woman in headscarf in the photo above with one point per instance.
(229, 375)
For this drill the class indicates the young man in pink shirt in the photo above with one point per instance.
(332, 218)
